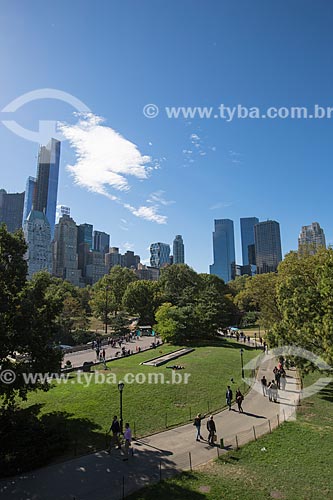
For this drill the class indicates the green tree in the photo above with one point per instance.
(141, 297)
(28, 337)
(304, 298)
(213, 308)
(175, 324)
(108, 292)
(120, 324)
(179, 284)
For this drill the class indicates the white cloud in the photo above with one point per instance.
(127, 246)
(158, 197)
(148, 213)
(221, 204)
(105, 160)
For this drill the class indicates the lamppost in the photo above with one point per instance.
(255, 339)
(106, 309)
(241, 353)
(120, 389)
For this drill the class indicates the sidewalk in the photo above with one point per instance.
(100, 476)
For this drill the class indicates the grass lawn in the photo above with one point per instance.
(297, 463)
(149, 408)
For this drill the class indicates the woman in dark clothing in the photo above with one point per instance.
(239, 400)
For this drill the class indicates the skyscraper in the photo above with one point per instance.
(247, 235)
(178, 250)
(267, 246)
(28, 197)
(37, 234)
(224, 250)
(85, 235)
(45, 193)
(65, 256)
(11, 210)
(311, 238)
(101, 242)
(159, 254)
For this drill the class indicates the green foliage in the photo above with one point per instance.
(304, 297)
(108, 292)
(120, 324)
(198, 305)
(295, 304)
(141, 298)
(179, 284)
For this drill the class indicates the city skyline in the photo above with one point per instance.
(175, 176)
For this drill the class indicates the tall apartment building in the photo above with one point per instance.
(159, 254)
(29, 197)
(95, 267)
(65, 256)
(11, 210)
(101, 242)
(267, 246)
(224, 264)
(247, 236)
(46, 187)
(311, 238)
(178, 250)
(37, 233)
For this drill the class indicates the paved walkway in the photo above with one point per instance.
(79, 357)
(100, 476)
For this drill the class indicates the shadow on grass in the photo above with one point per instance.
(166, 490)
(30, 440)
(327, 393)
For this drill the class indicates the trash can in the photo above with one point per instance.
(221, 443)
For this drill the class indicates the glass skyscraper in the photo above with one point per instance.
(267, 246)
(247, 235)
(29, 197)
(224, 250)
(159, 254)
(85, 235)
(178, 250)
(45, 194)
(11, 210)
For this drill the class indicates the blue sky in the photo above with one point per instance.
(118, 56)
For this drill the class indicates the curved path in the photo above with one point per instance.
(101, 476)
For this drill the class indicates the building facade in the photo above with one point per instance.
(247, 236)
(224, 264)
(29, 197)
(178, 250)
(46, 188)
(147, 272)
(267, 246)
(159, 254)
(11, 210)
(65, 256)
(101, 242)
(311, 238)
(37, 233)
(95, 267)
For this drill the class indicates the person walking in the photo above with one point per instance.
(228, 397)
(128, 439)
(197, 424)
(115, 429)
(239, 400)
(211, 428)
(283, 381)
(264, 385)
(274, 391)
